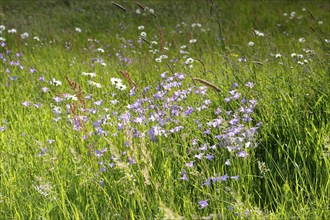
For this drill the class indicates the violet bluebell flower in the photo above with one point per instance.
(209, 156)
(203, 203)
(184, 175)
(242, 154)
(26, 103)
(224, 177)
(190, 164)
(131, 161)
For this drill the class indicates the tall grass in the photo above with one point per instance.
(142, 139)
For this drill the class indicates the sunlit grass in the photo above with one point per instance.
(71, 150)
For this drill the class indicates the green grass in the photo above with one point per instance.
(66, 181)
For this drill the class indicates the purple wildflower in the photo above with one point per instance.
(203, 203)
(242, 154)
(45, 89)
(199, 156)
(190, 164)
(42, 78)
(249, 84)
(209, 157)
(224, 177)
(26, 103)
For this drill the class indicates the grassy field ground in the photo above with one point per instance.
(164, 109)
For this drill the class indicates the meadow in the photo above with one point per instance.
(164, 109)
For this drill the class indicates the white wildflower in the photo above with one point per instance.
(55, 82)
(89, 74)
(141, 27)
(100, 50)
(78, 29)
(158, 59)
(192, 41)
(12, 31)
(120, 86)
(115, 81)
(302, 40)
(97, 85)
(163, 56)
(25, 35)
(251, 44)
(189, 61)
(143, 34)
(258, 33)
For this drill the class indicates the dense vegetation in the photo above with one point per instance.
(164, 109)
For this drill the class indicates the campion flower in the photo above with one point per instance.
(2, 28)
(258, 33)
(143, 34)
(192, 41)
(55, 82)
(12, 31)
(141, 27)
(115, 81)
(121, 86)
(89, 74)
(97, 85)
(77, 29)
(36, 38)
(163, 56)
(2, 39)
(100, 50)
(193, 25)
(25, 35)
(189, 61)
(251, 44)
(278, 55)
(302, 40)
